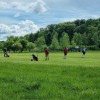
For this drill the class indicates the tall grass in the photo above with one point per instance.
(74, 78)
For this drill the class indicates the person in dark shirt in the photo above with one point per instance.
(5, 52)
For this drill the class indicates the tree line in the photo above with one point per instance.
(72, 35)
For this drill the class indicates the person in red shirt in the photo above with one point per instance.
(46, 54)
(65, 52)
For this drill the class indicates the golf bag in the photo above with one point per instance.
(35, 58)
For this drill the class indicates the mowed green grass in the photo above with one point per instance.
(74, 78)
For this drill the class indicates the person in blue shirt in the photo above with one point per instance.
(5, 51)
(83, 51)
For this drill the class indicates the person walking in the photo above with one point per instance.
(65, 52)
(46, 54)
(83, 52)
(5, 52)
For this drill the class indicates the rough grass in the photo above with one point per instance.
(74, 78)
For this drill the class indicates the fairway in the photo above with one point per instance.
(92, 59)
(74, 78)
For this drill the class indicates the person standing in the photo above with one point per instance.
(46, 54)
(83, 52)
(65, 52)
(5, 52)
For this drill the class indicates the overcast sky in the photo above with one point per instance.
(20, 17)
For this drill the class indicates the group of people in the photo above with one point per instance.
(46, 53)
(65, 54)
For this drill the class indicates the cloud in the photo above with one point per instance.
(20, 29)
(17, 14)
(4, 5)
(38, 6)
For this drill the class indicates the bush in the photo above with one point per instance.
(93, 47)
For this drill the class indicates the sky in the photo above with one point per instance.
(21, 17)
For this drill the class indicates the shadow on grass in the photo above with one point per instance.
(33, 87)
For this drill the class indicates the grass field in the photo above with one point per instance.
(74, 78)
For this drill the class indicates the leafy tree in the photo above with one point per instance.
(40, 43)
(1, 45)
(51, 28)
(99, 39)
(81, 29)
(48, 38)
(69, 28)
(17, 46)
(72, 44)
(92, 29)
(24, 44)
(84, 39)
(10, 41)
(54, 44)
(96, 38)
(80, 22)
(30, 37)
(64, 41)
(30, 46)
(93, 39)
(78, 39)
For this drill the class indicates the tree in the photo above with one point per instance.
(93, 38)
(17, 46)
(10, 41)
(30, 46)
(8, 44)
(84, 39)
(48, 38)
(40, 43)
(99, 39)
(80, 32)
(96, 38)
(24, 44)
(55, 44)
(72, 44)
(69, 28)
(1, 45)
(64, 41)
(77, 39)
(81, 29)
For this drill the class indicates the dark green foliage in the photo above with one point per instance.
(89, 31)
